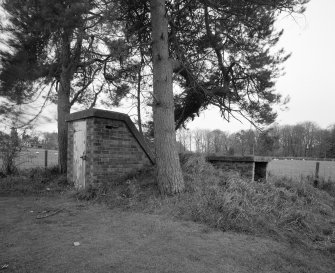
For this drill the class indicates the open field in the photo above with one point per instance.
(32, 158)
(125, 241)
(302, 168)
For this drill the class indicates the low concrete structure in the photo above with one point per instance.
(251, 167)
(102, 146)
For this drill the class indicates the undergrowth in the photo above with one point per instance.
(134, 191)
(281, 208)
(34, 182)
(328, 186)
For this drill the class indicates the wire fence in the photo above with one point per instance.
(302, 168)
(294, 168)
(36, 158)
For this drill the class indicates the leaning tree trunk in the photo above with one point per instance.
(63, 104)
(169, 175)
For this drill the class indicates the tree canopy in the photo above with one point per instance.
(55, 43)
(222, 50)
(222, 53)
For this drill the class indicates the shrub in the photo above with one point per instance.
(10, 147)
(34, 181)
(329, 187)
(280, 207)
(133, 191)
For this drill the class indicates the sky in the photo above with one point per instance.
(309, 73)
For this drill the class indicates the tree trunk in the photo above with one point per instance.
(169, 175)
(139, 118)
(63, 108)
(63, 104)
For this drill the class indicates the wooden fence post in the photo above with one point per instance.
(317, 167)
(45, 158)
(316, 178)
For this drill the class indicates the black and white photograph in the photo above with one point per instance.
(167, 136)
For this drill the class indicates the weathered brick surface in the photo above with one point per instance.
(112, 150)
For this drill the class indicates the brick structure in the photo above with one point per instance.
(250, 167)
(103, 146)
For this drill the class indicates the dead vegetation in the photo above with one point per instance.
(281, 208)
(86, 237)
(37, 181)
(279, 226)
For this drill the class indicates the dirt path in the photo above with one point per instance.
(118, 241)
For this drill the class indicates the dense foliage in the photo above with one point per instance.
(10, 147)
(53, 43)
(222, 54)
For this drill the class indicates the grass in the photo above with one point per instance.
(283, 225)
(298, 169)
(127, 241)
(35, 158)
(282, 208)
(328, 186)
(34, 181)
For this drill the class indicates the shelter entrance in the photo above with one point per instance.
(79, 153)
(104, 146)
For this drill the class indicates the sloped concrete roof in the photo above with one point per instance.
(115, 116)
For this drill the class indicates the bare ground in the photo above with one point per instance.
(124, 241)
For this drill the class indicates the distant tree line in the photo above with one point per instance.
(45, 140)
(305, 139)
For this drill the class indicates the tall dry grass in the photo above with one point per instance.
(34, 181)
(282, 208)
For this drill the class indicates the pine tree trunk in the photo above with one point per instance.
(63, 108)
(139, 118)
(169, 175)
(63, 104)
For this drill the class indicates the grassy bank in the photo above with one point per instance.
(282, 209)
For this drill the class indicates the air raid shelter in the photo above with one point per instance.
(102, 146)
(105, 145)
(250, 167)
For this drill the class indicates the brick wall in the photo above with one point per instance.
(112, 149)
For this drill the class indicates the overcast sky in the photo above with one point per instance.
(310, 73)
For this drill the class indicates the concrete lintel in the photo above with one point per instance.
(97, 113)
(212, 158)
